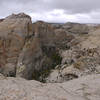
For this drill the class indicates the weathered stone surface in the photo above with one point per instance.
(76, 64)
(80, 60)
(85, 88)
(45, 32)
(13, 32)
(36, 55)
(30, 59)
(24, 47)
(62, 39)
(93, 40)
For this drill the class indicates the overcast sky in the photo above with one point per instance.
(83, 11)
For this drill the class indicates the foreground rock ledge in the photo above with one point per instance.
(85, 88)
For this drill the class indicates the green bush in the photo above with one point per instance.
(56, 59)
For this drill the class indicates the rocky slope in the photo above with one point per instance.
(76, 28)
(81, 59)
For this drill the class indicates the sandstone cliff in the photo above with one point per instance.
(13, 33)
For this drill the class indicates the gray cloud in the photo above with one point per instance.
(78, 6)
(54, 10)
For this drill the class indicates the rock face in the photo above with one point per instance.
(24, 46)
(30, 59)
(62, 39)
(34, 58)
(13, 33)
(45, 32)
(85, 88)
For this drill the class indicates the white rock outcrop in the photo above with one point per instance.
(85, 88)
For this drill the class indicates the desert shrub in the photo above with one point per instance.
(78, 64)
(56, 59)
(41, 75)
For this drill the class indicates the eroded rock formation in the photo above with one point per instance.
(51, 53)
(13, 33)
(31, 50)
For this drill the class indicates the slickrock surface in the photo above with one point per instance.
(85, 88)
